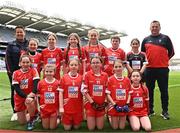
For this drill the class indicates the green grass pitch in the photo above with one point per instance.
(157, 122)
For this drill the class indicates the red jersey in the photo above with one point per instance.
(36, 61)
(96, 86)
(159, 50)
(25, 80)
(92, 51)
(49, 96)
(74, 53)
(71, 87)
(52, 56)
(111, 56)
(138, 104)
(119, 89)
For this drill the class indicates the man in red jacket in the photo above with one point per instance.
(159, 50)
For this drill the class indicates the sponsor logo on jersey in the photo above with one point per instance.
(24, 84)
(73, 92)
(136, 64)
(51, 60)
(111, 59)
(138, 102)
(93, 54)
(49, 97)
(72, 57)
(97, 90)
(120, 94)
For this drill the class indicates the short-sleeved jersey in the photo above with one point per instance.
(92, 51)
(138, 104)
(119, 89)
(49, 95)
(25, 80)
(136, 61)
(36, 61)
(52, 57)
(71, 87)
(74, 53)
(96, 86)
(111, 56)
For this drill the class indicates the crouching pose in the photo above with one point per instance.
(49, 97)
(25, 83)
(71, 100)
(139, 103)
(118, 95)
(94, 92)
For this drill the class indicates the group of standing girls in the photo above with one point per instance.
(92, 81)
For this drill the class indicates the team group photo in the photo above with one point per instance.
(83, 85)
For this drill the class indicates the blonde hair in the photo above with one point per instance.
(50, 66)
(92, 31)
(118, 61)
(52, 34)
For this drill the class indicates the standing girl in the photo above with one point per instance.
(136, 59)
(53, 54)
(71, 101)
(34, 55)
(94, 92)
(94, 48)
(139, 104)
(119, 96)
(25, 82)
(49, 97)
(74, 50)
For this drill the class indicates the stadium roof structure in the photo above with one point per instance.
(13, 16)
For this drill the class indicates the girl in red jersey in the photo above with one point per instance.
(74, 50)
(139, 104)
(49, 97)
(118, 95)
(94, 47)
(94, 91)
(113, 54)
(34, 55)
(25, 83)
(70, 94)
(53, 54)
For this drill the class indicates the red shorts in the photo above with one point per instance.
(138, 113)
(72, 119)
(19, 104)
(47, 114)
(113, 112)
(92, 112)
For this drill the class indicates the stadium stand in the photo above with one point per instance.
(39, 25)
